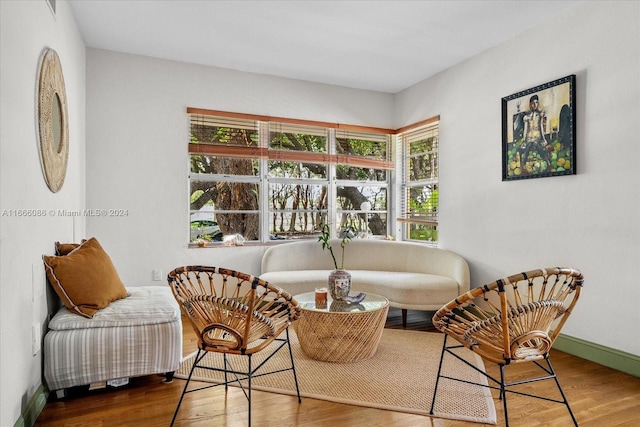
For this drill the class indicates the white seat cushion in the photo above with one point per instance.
(145, 305)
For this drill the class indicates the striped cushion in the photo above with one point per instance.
(145, 305)
(139, 335)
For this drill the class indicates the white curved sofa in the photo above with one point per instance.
(411, 276)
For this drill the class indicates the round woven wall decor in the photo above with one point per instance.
(53, 120)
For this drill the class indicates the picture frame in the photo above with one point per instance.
(539, 126)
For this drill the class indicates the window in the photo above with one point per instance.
(224, 176)
(362, 196)
(280, 179)
(420, 182)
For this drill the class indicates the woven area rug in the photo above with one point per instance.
(399, 377)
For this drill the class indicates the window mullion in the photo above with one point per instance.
(263, 132)
(222, 177)
(395, 186)
(349, 183)
(332, 189)
(404, 204)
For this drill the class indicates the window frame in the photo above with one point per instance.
(262, 152)
(407, 219)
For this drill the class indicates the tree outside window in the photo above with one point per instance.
(269, 180)
(420, 183)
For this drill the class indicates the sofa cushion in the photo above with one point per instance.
(414, 289)
(85, 279)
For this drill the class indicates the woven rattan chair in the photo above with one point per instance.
(511, 320)
(234, 313)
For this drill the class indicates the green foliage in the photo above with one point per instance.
(423, 146)
(360, 174)
(362, 147)
(424, 233)
(325, 237)
(196, 195)
(298, 142)
(424, 201)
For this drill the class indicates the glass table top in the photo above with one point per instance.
(369, 303)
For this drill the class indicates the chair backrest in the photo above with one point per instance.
(229, 310)
(513, 319)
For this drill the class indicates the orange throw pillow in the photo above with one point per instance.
(65, 248)
(85, 279)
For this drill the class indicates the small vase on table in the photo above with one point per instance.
(340, 284)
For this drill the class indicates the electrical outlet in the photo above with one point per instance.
(157, 275)
(36, 338)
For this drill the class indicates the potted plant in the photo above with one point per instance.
(324, 238)
(339, 279)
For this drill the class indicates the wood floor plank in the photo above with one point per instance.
(599, 396)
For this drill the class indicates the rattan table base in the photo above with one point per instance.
(340, 336)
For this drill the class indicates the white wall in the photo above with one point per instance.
(27, 27)
(590, 221)
(137, 135)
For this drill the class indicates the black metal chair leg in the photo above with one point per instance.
(229, 369)
(435, 389)
(226, 369)
(503, 395)
(564, 398)
(249, 388)
(293, 367)
(184, 390)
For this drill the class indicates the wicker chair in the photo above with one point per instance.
(511, 320)
(234, 313)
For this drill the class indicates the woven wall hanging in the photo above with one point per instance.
(53, 120)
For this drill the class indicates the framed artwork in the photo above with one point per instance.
(539, 131)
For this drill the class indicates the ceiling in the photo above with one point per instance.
(383, 46)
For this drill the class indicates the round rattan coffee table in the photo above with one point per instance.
(341, 332)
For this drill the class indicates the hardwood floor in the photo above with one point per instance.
(599, 397)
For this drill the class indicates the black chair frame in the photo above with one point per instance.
(501, 384)
(239, 376)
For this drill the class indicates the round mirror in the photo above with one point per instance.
(53, 122)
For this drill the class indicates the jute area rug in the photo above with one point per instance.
(399, 377)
